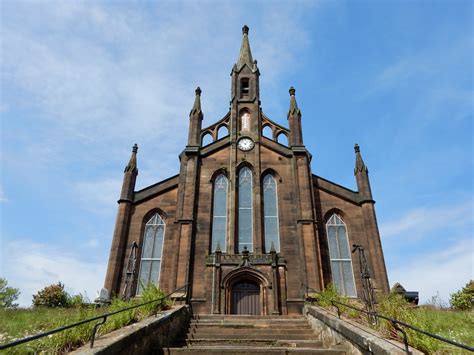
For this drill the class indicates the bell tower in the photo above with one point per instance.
(245, 92)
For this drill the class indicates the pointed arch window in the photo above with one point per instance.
(245, 210)
(245, 121)
(152, 250)
(270, 212)
(219, 213)
(340, 255)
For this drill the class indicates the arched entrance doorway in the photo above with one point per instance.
(245, 298)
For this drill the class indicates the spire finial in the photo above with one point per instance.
(132, 163)
(360, 165)
(197, 103)
(245, 55)
(218, 247)
(294, 109)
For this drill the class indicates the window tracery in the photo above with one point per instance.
(245, 210)
(270, 212)
(219, 213)
(340, 256)
(152, 250)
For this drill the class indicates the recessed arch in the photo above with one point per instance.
(206, 139)
(245, 209)
(340, 256)
(337, 211)
(218, 172)
(219, 213)
(272, 172)
(270, 213)
(267, 131)
(222, 131)
(245, 275)
(245, 120)
(151, 247)
(282, 138)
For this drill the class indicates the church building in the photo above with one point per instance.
(245, 227)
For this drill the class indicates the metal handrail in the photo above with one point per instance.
(102, 317)
(395, 323)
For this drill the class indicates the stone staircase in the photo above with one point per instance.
(232, 334)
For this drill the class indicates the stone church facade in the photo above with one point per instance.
(245, 225)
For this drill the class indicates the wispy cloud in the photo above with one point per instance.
(443, 271)
(31, 266)
(98, 196)
(419, 222)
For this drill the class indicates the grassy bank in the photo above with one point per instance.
(19, 323)
(453, 325)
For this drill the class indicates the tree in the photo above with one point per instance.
(51, 296)
(464, 298)
(8, 295)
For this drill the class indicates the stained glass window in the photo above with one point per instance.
(245, 220)
(270, 211)
(340, 255)
(219, 214)
(152, 251)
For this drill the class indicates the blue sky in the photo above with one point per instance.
(81, 82)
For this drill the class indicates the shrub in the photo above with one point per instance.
(464, 298)
(8, 295)
(52, 296)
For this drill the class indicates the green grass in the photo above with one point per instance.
(19, 323)
(451, 324)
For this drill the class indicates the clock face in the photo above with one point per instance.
(245, 144)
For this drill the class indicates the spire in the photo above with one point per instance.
(132, 164)
(294, 109)
(362, 175)
(360, 165)
(294, 121)
(195, 121)
(245, 56)
(197, 103)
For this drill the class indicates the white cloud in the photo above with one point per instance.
(443, 271)
(3, 198)
(98, 196)
(31, 266)
(417, 223)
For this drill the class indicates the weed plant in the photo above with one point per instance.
(20, 323)
(452, 324)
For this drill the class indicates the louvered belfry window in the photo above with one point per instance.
(152, 251)
(270, 211)
(245, 210)
(340, 254)
(219, 213)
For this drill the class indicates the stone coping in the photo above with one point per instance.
(150, 333)
(350, 335)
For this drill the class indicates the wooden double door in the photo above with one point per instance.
(246, 298)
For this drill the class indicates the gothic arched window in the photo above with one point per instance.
(245, 222)
(152, 251)
(219, 213)
(340, 254)
(270, 213)
(245, 121)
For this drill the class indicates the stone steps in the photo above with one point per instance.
(230, 350)
(229, 334)
(292, 343)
